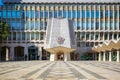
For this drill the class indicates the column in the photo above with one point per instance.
(40, 53)
(110, 56)
(99, 57)
(7, 54)
(118, 56)
(52, 57)
(104, 56)
(26, 52)
(12, 53)
(95, 56)
(65, 56)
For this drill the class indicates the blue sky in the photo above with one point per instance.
(0, 2)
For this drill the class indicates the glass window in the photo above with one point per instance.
(87, 14)
(27, 14)
(55, 14)
(9, 36)
(36, 14)
(32, 14)
(92, 25)
(0, 14)
(14, 35)
(28, 36)
(22, 25)
(27, 25)
(60, 13)
(23, 35)
(37, 25)
(18, 14)
(73, 14)
(97, 14)
(83, 13)
(92, 14)
(46, 14)
(83, 25)
(37, 36)
(64, 13)
(78, 14)
(32, 25)
(13, 13)
(41, 14)
(50, 13)
(4, 14)
(106, 13)
(69, 14)
(41, 25)
(32, 36)
(111, 13)
(9, 14)
(18, 36)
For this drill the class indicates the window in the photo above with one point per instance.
(69, 14)
(55, 14)
(14, 35)
(28, 36)
(23, 35)
(97, 14)
(32, 36)
(13, 14)
(64, 13)
(18, 36)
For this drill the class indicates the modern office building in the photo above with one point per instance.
(94, 21)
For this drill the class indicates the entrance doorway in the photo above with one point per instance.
(60, 56)
(5, 53)
(33, 53)
(19, 53)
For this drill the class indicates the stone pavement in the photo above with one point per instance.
(59, 70)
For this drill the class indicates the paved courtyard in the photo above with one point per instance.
(59, 70)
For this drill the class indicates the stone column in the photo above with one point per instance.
(110, 56)
(40, 53)
(68, 57)
(118, 56)
(12, 53)
(52, 57)
(7, 54)
(99, 57)
(104, 56)
(65, 56)
(26, 52)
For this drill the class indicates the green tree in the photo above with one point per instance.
(4, 31)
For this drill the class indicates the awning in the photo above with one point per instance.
(60, 49)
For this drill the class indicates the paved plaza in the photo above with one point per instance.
(59, 70)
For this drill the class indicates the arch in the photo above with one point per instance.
(5, 53)
(33, 53)
(19, 53)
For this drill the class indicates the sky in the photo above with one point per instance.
(0, 2)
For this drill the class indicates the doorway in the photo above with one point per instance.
(60, 56)
(33, 53)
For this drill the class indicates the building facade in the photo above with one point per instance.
(95, 21)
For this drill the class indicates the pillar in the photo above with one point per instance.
(104, 56)
(99, 57)
(52, 57)
(40, 53)
(65, 57)
(118, 56)
(12, 53)
(110, 56)
(26, 52)
(7, 54)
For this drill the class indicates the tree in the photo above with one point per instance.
(4, 30)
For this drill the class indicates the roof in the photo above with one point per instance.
(59, 49)
(61, 1)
